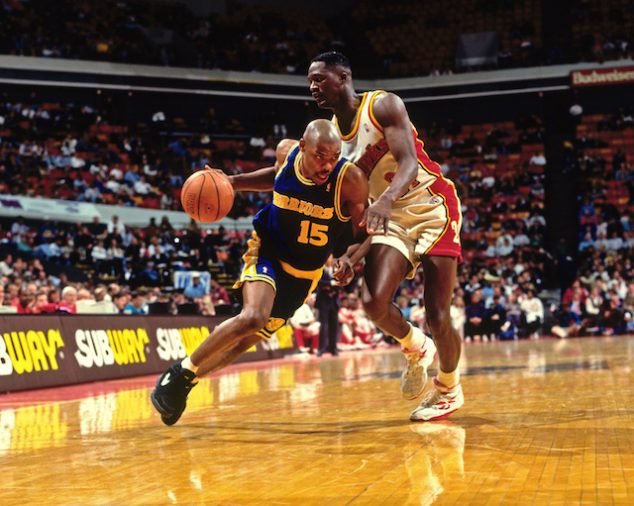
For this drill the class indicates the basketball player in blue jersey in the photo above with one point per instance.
(315, 194)
(414, 219)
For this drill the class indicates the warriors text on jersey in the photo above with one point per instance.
(304, 221)
(426, 220)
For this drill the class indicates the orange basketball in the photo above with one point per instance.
(207, 195)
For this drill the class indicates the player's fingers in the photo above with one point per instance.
(384, 225)
(374, 225)
(370, 219)
(215, 169)
(364, 219)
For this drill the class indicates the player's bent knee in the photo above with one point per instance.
(252, 320)
(375, 307)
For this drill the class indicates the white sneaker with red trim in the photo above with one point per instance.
(414, 376)
(439, 403)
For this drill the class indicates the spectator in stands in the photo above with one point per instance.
(575, 289)
(418, 315)
(19, 227)
(115, 228)
(178, 299)
(403, 304)
(49, 250)
(568, 323)
(593, 305)
(306, 327)
(136, 305)
(40, 304)
(54, 298)
(364, 329)
(24, 303)
(504, 245)
(509, 329)
(196, 290)
(350, 337)
(101, 294)
(458, 315)
(143, 187)
(475, 314)
(120, 300)
(100, 259)
(495, 317)
(68, 304)
(587, 240)
(97, 229)
(532, 314)
(166, 227)
(116, 257)
(85, 295)
(613, 321)
(628, 301)
(149, 275)
(538, 159)
(6, 268)
(113, 288)
(205, 305)
(219, 295)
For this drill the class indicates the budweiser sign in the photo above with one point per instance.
(599, 77)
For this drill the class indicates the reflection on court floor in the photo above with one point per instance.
(546, 422)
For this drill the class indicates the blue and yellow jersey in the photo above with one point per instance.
(304, 221)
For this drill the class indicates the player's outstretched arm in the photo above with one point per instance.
(263, 179)
(260, 180)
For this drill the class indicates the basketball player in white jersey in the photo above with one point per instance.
(414, 218)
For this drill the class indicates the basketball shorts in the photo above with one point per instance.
(425, 221)
(292, 286)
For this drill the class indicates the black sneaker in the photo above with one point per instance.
(170, 394)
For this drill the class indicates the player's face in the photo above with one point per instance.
(319, 160)
(324, 83)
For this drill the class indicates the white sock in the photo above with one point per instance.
(187, 364)
(449, 379)
(413, 340)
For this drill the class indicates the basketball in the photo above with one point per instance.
(207, 195)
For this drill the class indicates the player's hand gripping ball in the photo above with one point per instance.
(207, 195)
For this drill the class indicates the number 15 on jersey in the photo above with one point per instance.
(312, 233)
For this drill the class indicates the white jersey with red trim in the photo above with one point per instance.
(366, 146)
(426, 220)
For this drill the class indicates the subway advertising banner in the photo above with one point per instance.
(46, 351)
(602, 76)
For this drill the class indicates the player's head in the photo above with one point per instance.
(321, 150)
(329, 77)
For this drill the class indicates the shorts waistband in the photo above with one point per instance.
(301, 274)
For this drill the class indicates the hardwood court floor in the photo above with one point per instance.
(546, 423)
